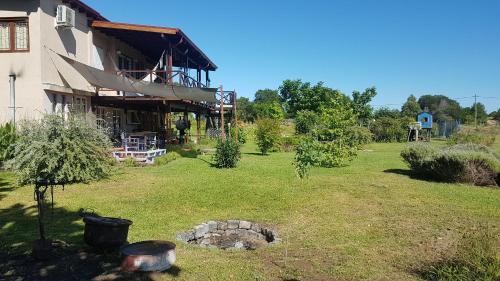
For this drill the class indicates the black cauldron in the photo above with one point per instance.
(104, 232)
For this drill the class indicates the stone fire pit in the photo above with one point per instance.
(231, 234)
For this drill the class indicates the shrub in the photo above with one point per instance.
(472, 137)
(308, 154)
(288, 143)
(167, 158)
(386, 129)
(7, 139)
(359, 135)
(267, 134)
(60, 151)
(305, 121)
(227, 154)
(130, 162)
(242, 135)
(473, 164)
(336, 154)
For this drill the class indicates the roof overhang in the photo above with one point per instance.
(152, 41)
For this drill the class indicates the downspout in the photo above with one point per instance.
(12, 81)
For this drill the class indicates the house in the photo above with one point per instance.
(62, 56)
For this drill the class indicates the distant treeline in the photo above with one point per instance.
(294, 96)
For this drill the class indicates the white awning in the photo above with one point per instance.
(104, 80)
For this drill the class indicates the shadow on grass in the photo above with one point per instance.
(255, 153)
(402, 172)
(70, 259)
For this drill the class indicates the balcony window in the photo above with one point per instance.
(14, 35)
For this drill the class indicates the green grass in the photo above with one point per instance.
(367, 221)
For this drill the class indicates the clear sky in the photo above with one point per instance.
(402, 47)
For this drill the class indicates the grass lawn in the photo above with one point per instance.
(367, 221)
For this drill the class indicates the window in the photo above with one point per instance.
(78, 105)
(14, 35)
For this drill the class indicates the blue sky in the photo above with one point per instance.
(402, 47)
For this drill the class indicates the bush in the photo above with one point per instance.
(130, 162)
(308, 154)
(227, 154)
(7, 139)
(242, 135)
(386, 129)
(305, 121)
(267, 134)
(472, 137)
(336, 154)
(167, 158)
(474, 164)
(288, 143)
(359, 135)
(60, 151)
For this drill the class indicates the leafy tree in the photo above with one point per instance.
(267, 134)
(385, 112)
(60, 151)
(267, 96)
(306, 121)
(495, 115)
(468, 114)
(442, 107)
(411, 108)
(302, 96)
(246, 111)
(361, 104)
(271, 109)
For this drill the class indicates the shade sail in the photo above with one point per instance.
(104, 80)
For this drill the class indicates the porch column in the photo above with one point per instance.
(169, 66)
(198, 127)
(186, 119)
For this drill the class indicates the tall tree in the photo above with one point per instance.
(246, 111)
(411, 108)
(302, 96)
(442, 107)
(387, 112)
(361, 104)
(469, 114)
(267, 96)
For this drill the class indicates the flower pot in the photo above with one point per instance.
(105, 233)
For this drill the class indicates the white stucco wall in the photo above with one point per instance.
(25, 65)
(38, 81)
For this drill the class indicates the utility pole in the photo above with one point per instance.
(475, 110)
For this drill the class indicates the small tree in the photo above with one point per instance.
(227, 154)
(267, 134)
(60, 151)
(54, 151)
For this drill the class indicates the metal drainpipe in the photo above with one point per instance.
(12, 81)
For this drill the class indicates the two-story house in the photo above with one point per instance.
(62, 56)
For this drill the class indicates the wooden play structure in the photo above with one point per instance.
(421, 129)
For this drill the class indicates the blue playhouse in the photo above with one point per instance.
(425, 119)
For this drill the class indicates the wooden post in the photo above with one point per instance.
(221, 111)
(169, 67)
(198, 127)
(235, 116)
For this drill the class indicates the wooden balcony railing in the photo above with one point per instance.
(175, 77)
